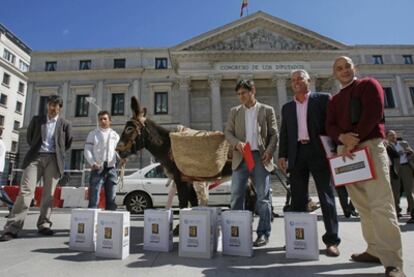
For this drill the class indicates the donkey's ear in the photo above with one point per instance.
(144, 111)
(135, 106)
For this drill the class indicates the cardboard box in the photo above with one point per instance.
(83, 229)
(113, 235)
(216, 225)
(301, 233)
(237, 232)
(158, 234)
(196, 233)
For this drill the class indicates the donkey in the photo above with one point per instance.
(141, 132)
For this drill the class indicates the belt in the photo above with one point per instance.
(404, 164)
(304, 141)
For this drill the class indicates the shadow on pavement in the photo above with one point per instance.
(407, 227)
(222, 265)
(33, 234)
(77, 256)
(292, 270)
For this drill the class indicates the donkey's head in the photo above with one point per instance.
(132, 138)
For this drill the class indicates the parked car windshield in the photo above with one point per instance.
(156, 172)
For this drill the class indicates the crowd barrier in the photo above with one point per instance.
(64, 197)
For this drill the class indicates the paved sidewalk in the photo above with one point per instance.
(33, 256)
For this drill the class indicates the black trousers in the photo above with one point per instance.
(307, 162)
(346, 204)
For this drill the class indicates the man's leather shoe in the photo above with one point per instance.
(332, 250)
(8, 236)
(176, 231)
(261, 241)
(354, 213)
(46, 232)
(410, 221)
(365, 257)
(391, 271)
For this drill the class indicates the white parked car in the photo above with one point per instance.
(148, 188)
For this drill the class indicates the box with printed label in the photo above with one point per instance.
(113, 235)
(301, 233)
(83, 229)
(196, 233)
(236, 227)
(158, 234)
(216, 224)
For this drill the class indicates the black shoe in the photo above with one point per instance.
(176, 231)
(347, 214)
(391, 271)
(261, 241)
(46, 232)
(354, 213)
(7, 236)
(410, 221)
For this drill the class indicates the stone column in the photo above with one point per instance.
(314, 78)
(401, 95)
(134, 91)
(216, 117)
(97, 93)
(280, 81)
(65, 95)
(184, 91)
(32, 100)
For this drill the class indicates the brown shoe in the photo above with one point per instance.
(365, 257)
(332, 250)
(391, 271)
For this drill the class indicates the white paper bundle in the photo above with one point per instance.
(158, 234)
(236, 227)
(216, 225)
(83, 229)
(196, 233)
(113, 235)
(301, 235)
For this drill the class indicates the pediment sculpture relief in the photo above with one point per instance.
(258, 39)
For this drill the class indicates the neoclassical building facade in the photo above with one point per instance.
(14, 64)
(193, 83)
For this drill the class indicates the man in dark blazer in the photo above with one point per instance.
(301, 153)
(49, 137)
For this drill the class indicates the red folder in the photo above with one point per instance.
(248, 157)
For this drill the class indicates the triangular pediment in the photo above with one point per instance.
(260, 31)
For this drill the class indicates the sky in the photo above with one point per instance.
(84, 24)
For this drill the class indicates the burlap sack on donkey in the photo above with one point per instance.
(199, 153)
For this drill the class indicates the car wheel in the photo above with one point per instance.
(137, 202)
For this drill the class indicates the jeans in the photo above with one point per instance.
(108, 178)
(5, 198)
(261, 180)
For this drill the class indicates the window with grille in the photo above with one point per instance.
(161, 103)
(82, 106)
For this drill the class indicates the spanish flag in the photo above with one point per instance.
(243, 6)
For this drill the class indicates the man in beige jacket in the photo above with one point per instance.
(253, 123)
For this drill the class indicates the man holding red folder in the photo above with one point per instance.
(355, 119)
(252, 131)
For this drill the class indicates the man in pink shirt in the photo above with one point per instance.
(301, 153)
